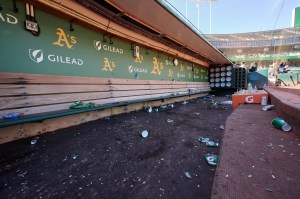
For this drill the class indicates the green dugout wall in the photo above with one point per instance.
(82, 52)
(42, 75)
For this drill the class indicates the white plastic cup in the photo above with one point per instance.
(144, 133)
(264, 100)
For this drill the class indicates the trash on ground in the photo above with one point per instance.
(187, 175)
(212, 159)
(222, 127)
(155, 109)
(163, 106)
(144, 133)
(281, 124)
(203, 139)
(196, 113)
(269, 190)
(34, 140)
(149, 109)
(184, 102)
(273, 176)
(192, 90)
(74, 156)
(169, 120)
(80, 105)
(12, 115)
(171, 105)
(268, 107)
(214, 105)
(212, 144)
(228, 102)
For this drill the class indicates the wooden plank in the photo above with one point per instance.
(159, 86)
(32, 129)
(191, 85)
(40, 100)
(21, 78)
(65, 106)
(130, 93)
(198, 83)
(53, 107)
(144, 87)
(141, 97)
(179, 86)
(34, 89)
(161, 82)
(169, 91)
(129, 87)
(178, 83)
(115, 81)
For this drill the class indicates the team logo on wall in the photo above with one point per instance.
(249, 99)
(36, 55)
(97, 45)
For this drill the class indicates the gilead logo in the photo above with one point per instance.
(249, 99)
(97, 45)
(38, 56)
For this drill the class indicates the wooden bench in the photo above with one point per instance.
(42, 97)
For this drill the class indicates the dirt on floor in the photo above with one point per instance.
(108, 158)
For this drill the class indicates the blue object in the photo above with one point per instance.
(11, 116)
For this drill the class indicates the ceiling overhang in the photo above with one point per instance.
(159, 23)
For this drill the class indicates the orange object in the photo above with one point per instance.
(248, 98)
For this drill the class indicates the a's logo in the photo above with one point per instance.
(157, 67)
(249, 99)
(63, 39)
(36, 55)
(97, 45)
(181, 67)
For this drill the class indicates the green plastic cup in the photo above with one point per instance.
(281, 124)
(212, 159)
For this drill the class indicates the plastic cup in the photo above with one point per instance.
(264, 100)
(212, 159)
(281, 124)
(268, 107)
(144, 133)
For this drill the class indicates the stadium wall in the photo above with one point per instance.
(44, 70)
